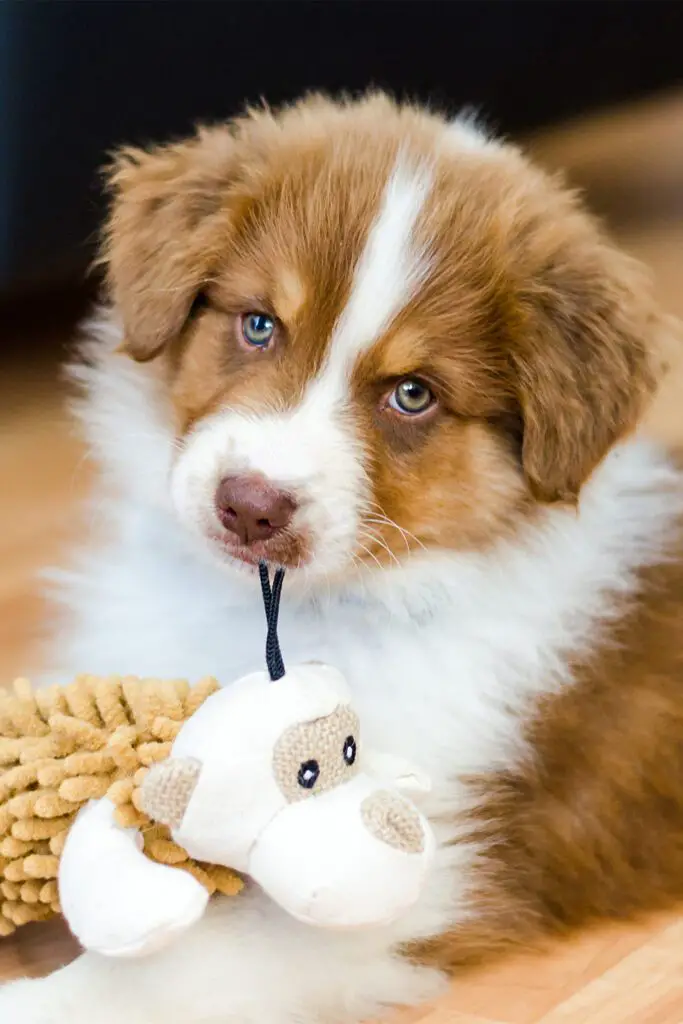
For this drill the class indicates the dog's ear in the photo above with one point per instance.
(155, 247)
(582, 355)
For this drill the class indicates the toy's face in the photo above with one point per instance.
(312, 758)
(250, 750)
(270, 779)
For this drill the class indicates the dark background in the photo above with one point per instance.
(77, 78)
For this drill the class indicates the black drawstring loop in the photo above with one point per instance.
(271, 603)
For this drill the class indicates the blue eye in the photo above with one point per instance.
(258, 329)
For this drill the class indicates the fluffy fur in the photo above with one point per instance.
(499, 576)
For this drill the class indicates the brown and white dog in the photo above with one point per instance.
(389, 353)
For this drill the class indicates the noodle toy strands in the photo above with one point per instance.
(61, 748)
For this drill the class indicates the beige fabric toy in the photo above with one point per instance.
(65, 746)
(267, 777)
(272, 777)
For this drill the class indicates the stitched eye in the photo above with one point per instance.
(257, 329)
(350, 750)
(411, 397)
(309, 772)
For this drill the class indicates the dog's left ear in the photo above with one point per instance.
(155, 246)
(582, 354)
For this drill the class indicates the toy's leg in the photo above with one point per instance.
(245, 962)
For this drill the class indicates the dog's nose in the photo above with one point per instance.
(392, 820)
(252, 508)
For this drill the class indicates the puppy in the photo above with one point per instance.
(386, 352)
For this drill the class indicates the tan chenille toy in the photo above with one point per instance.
(64, 746)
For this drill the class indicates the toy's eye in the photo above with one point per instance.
(411, 397)
(350, 750)
(257, 329)
(309, 772)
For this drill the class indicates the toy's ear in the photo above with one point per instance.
(167, 790)
(398, 771)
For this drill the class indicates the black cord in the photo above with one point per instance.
(265, 587)
(271, 603)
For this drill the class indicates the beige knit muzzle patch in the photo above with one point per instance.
(314, 757)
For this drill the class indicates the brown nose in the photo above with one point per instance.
(252, 508)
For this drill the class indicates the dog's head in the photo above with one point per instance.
(379, 332)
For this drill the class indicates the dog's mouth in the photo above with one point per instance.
(288, 551)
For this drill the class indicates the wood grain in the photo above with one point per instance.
(631, 163)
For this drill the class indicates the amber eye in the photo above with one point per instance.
(257, 329)
(411, 397)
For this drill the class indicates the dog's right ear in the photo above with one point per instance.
(155, 247)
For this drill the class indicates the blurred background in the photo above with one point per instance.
(78, 78)
(593, 87)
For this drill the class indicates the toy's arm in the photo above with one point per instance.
(115, 900)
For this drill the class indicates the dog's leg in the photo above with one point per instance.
(245, 962)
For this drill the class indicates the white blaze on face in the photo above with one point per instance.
(312, 450)
(389, 271)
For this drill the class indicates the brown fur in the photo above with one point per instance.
(538, 339)
(590, 827)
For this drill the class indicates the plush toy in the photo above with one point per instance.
(268, 777)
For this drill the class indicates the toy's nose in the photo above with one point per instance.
(393, 821)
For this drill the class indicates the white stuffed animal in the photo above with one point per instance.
(268, 777)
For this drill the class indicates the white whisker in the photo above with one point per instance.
(369, 552)
(380, 516)
(369, 535)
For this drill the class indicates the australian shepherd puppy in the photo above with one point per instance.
(389, 353)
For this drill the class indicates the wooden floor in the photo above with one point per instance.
(632, 166)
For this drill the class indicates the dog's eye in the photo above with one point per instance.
(350, 750)
(257, 329)
(411, 397)
(309, 772)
